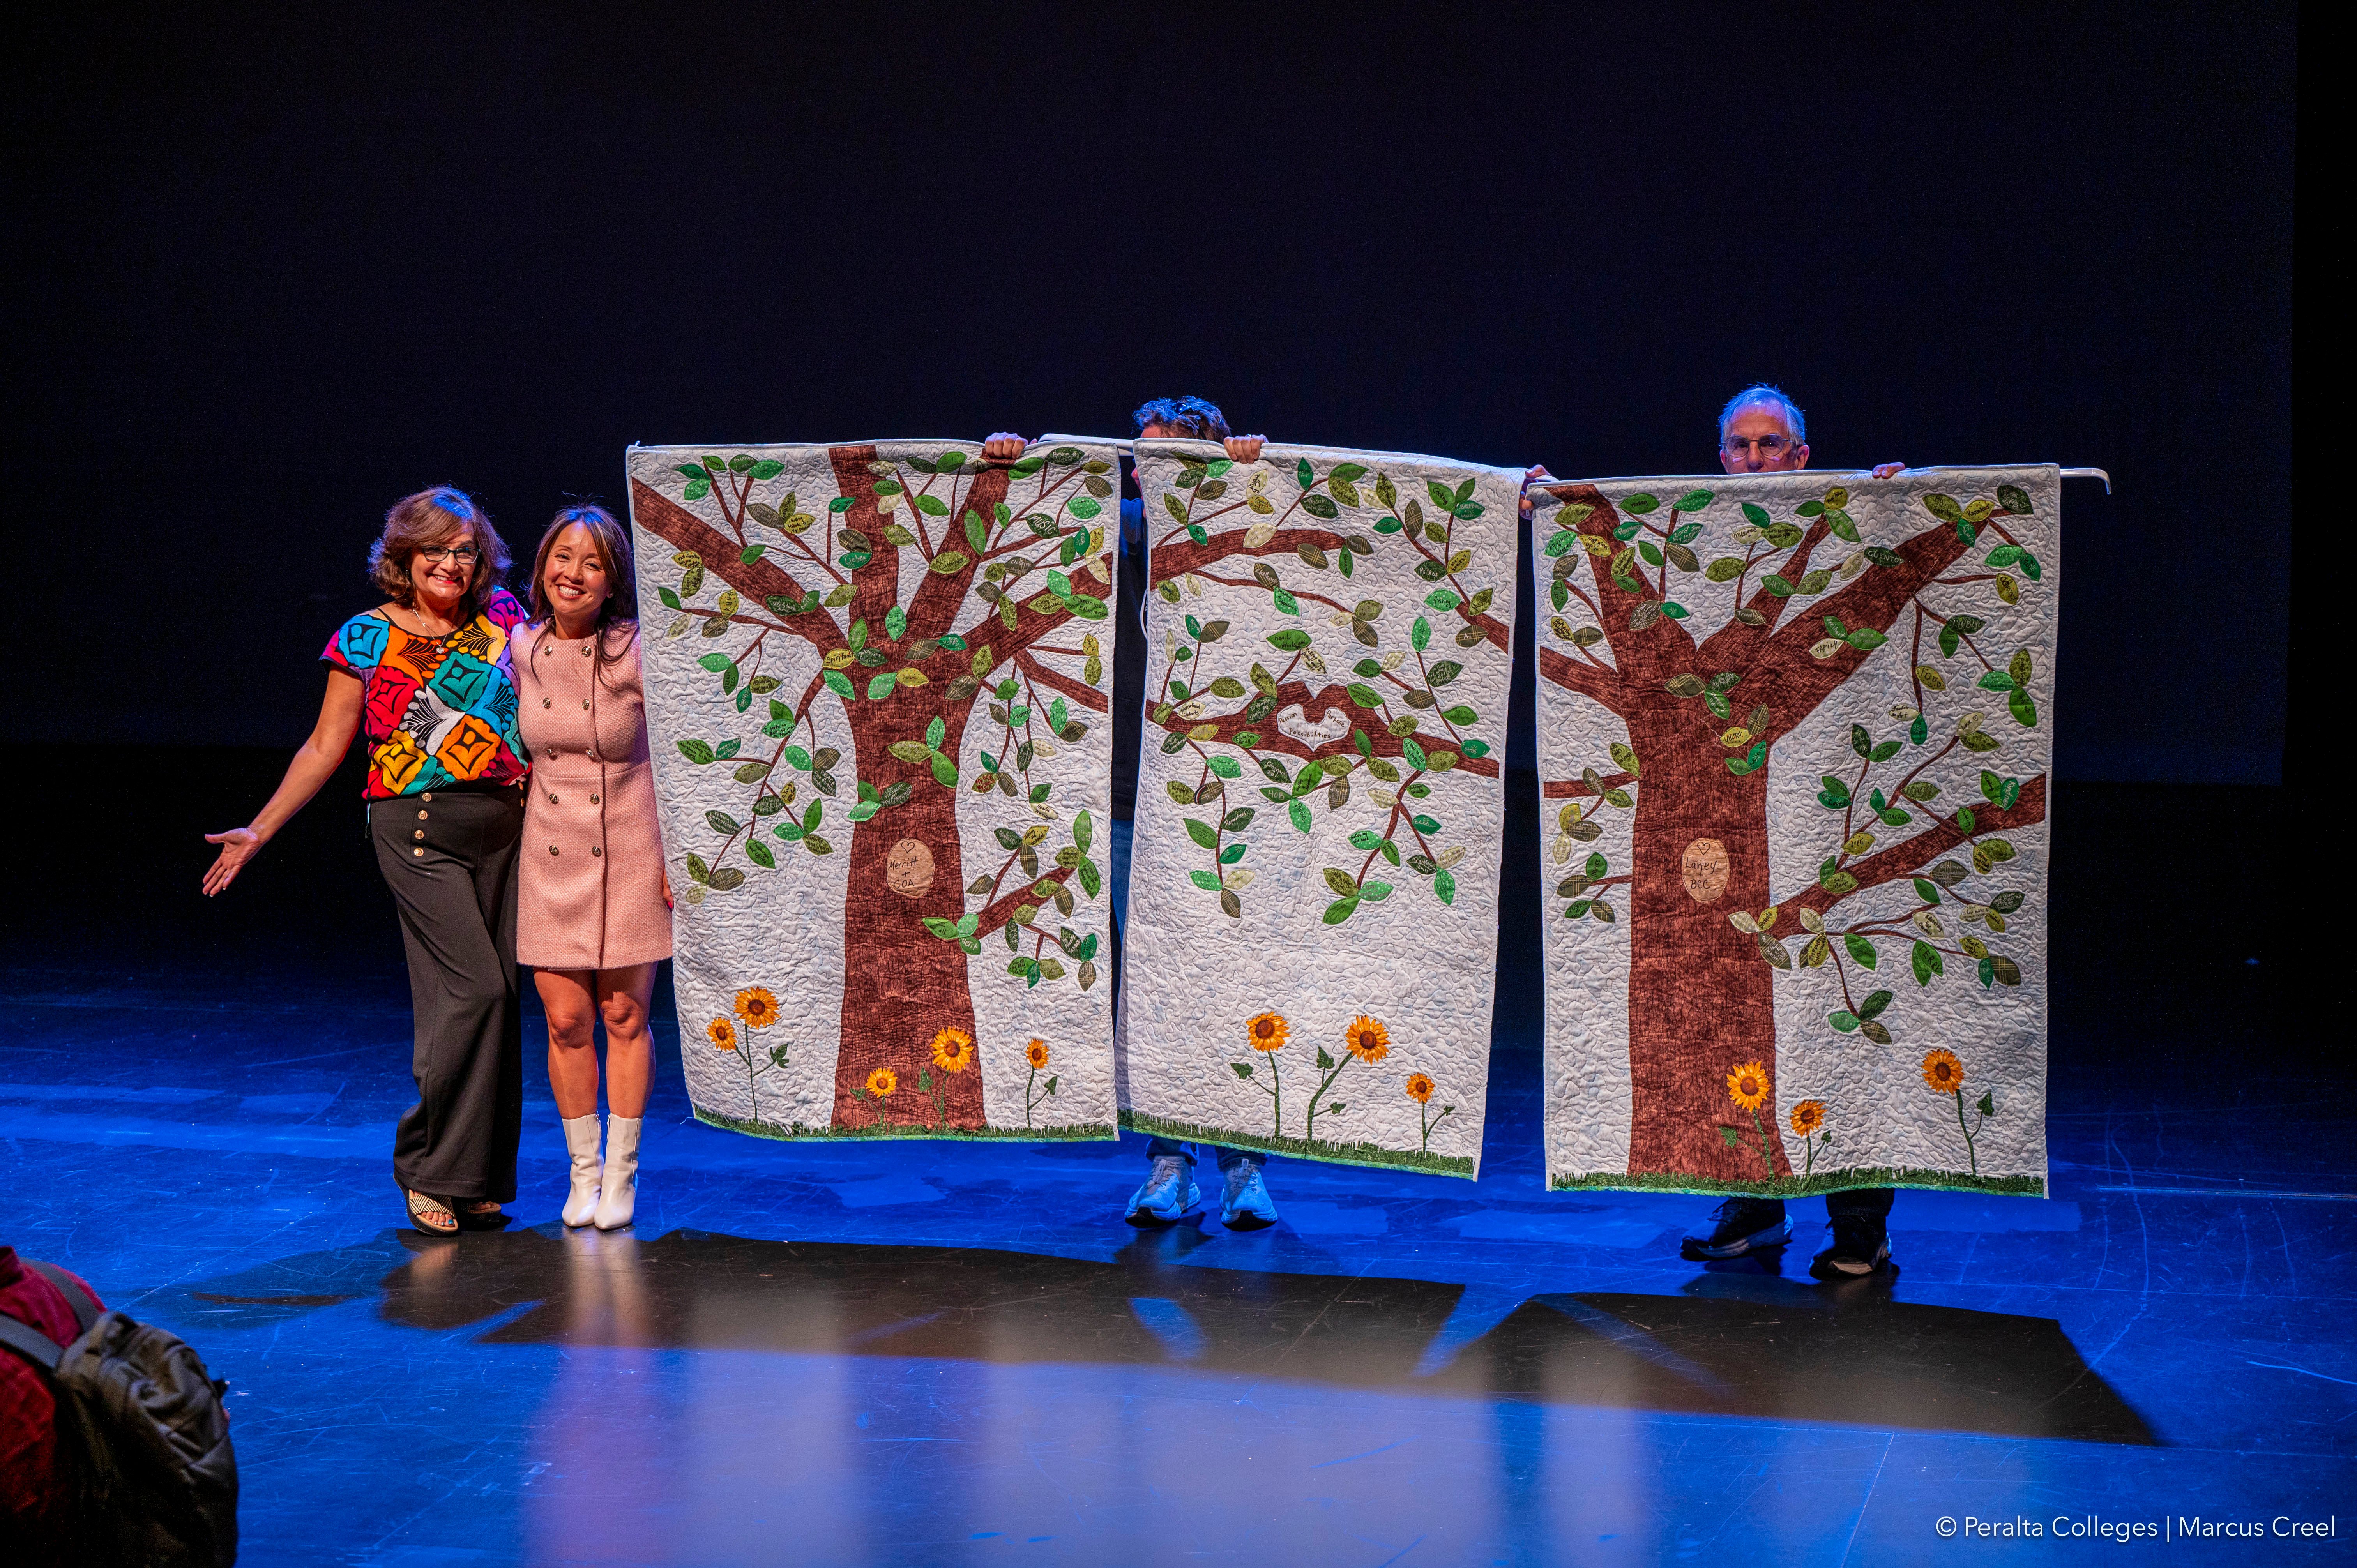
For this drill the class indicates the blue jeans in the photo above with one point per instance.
(1229, 1158)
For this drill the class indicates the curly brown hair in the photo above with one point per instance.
(437, 516)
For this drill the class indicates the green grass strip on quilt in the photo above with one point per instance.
(798, 1132)
(1318, 1149)
(1794, 1187)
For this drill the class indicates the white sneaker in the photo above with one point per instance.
(1170, 1192)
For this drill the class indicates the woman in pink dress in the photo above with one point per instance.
(594, 911)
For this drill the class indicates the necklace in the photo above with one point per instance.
(455, 629)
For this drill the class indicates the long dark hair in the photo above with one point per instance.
(620, 612)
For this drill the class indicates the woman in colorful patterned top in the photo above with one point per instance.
(595, 914)
(427, 674)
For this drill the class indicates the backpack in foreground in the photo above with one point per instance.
(142, 1428)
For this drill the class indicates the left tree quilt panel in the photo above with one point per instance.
(878, 680)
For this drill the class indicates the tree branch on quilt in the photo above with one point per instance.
(1794, 732)
(876, 680)
(1314, 875)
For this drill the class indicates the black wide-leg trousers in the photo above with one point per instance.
(449, 857)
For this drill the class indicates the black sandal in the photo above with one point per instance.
(421, 1204)
(470, 1219)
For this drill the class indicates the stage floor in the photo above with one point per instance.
(903, 1353)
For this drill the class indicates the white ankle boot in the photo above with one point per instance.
(581, 1137)
(619, 1193)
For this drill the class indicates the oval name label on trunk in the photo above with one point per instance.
(908, 869)
(1704, 869)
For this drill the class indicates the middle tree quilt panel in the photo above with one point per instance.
(1310, 953)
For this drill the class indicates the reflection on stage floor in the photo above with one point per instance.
(907, 1353)
(1729, 1342)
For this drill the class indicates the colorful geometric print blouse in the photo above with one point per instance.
(437, 710)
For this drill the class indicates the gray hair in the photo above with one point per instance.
(1764, 394)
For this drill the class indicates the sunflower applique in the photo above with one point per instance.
(954, 1050)
(1367, 1039)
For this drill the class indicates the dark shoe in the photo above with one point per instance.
(1738, 1226)
(431, 1214)
(1169, 1193)
(1246, 1205)
(1861, 1249)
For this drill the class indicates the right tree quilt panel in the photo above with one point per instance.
(1795, 735)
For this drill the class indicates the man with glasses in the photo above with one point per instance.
(1761, 431)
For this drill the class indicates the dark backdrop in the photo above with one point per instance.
(271, 269)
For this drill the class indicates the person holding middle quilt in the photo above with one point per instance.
(1170, 1191)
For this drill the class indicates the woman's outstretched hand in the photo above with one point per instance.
(313, 763)
(238, 846)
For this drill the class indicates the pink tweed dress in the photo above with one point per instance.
(590, 894)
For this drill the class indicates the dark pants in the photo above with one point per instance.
(450, 859)
(1128, 676)
(1874, 1202)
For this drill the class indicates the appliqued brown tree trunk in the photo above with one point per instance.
(901, 984)
(1699, 998)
